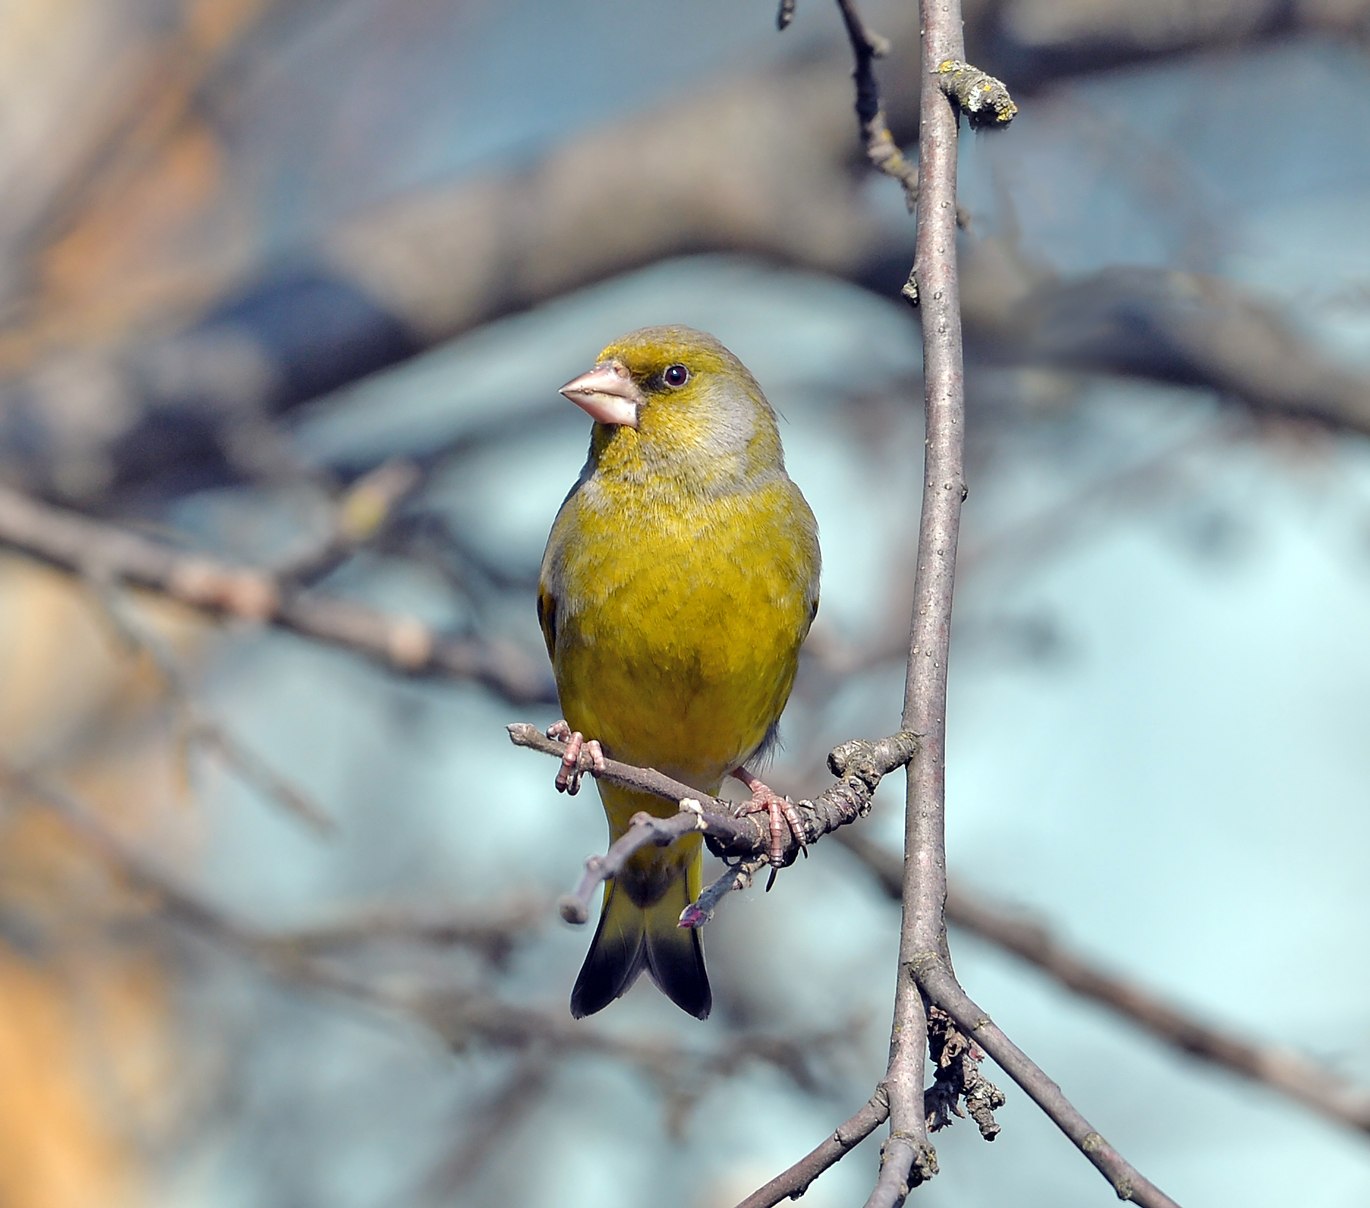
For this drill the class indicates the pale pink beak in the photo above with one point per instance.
(607, 394)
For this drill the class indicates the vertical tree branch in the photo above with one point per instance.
(908, 1158)
(944, 489)
(926, 978)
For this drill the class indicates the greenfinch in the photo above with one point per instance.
(679, 582)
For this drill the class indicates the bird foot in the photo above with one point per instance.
(581, 755)
(782, 813)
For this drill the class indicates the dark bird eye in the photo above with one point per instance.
(676, 375)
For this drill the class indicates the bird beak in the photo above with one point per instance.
(607, 394)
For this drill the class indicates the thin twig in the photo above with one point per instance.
(736, 876)
(881, 149)
(859, 766)
(360, 515)
(792, 1183)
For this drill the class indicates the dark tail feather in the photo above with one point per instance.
(631, 938)
(675, 954)
(618, 953)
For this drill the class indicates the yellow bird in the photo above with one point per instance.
(679, 581)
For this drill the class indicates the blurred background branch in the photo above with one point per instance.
(202, 356)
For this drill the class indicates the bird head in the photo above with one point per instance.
(674, 400)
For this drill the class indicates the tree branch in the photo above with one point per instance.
(103, 553)
(908, 1158)
(940, 984)
(881, 149)
(792, 1183)
(926, 979)
(396, 279)
(1278, 1067)
(859, 765)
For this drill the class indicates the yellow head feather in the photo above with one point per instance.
(703, 421)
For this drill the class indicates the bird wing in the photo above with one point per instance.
(547, 617)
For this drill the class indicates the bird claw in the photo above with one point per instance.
(581, 755)
(782, 815)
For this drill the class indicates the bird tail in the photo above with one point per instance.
(639, 928)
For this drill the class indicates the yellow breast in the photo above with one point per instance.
(677, 621)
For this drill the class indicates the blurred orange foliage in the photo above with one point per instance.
(87, 1035)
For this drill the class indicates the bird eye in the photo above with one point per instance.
(675, 376)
